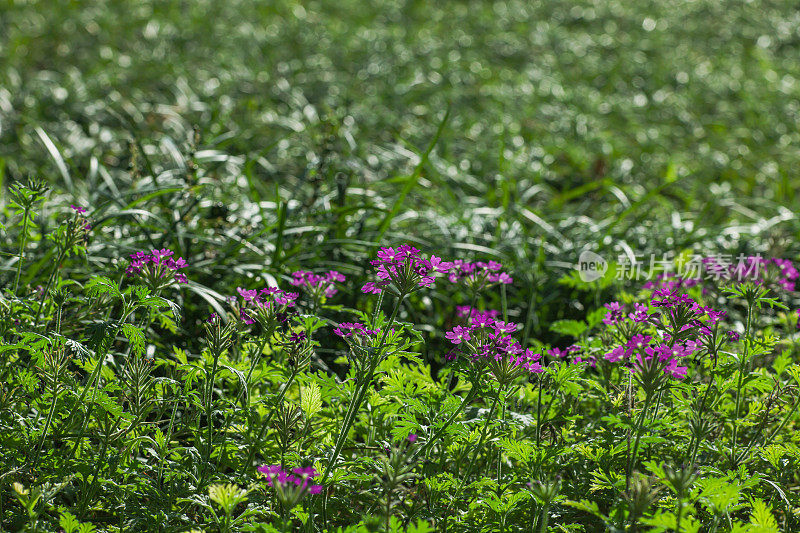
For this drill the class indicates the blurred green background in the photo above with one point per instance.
(258, 137)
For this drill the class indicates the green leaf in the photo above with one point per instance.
(103, 285)
(68, 522)
(136, 337)
(762, 517)
(311, 399)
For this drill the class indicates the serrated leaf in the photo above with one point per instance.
(762, 516)
(311, 399)
(135, 337)
(103, 285)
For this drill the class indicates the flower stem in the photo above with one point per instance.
(742, 365)
(639, 426)
(361, 389)
(468, 398)
(265, 424)
(477, 450)
(22, 241)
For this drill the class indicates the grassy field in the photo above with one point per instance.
(256, 139)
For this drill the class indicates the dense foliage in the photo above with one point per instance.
(310, 266)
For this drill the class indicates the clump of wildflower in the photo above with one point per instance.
(267, 306)
(479, 275)
(404, 270)
(349, 330)
(318, 286)
(655, 345)
(486, 344)
(157, 269)
(291, 487)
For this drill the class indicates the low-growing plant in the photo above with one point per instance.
(675, 409)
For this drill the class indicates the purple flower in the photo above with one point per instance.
(267, 305)
(157, 269)
(78, 209)
(486, 343)
(356, 333)
(458, 334)
(618, 354)
(479, 275)
(614, 314)
(639, 314)
(318, 286)
(291, 487)
(404, 268)
(412, 438)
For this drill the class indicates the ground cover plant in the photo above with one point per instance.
(320, 266)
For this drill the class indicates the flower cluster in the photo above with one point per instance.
(641, 348)
(479, 275)
(157, 269)
(404, 270)
(658, 342)
(318, 286)
(298, 348)
(487, 342)
(264, 305)
(290, 487)
(616, 313)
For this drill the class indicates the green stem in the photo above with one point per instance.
(255, 358)
(166, 443)
(477, 450)
(468, 398)
(22, 242)
(47, 424)
(91, 385)
(49, 283)
(544, 519)
(639, 427)
(691, 441)
(742, 365)
(209, 407)
(539, 410)
(355, 404)
(499, 451)
(265, 424)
